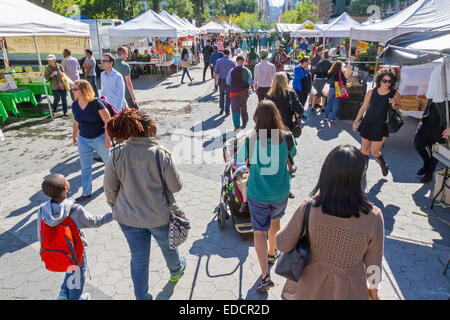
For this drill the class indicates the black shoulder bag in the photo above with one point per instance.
(296, 127)
(394, 120)
(290, 265)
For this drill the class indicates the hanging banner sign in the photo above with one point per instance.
(46, 44)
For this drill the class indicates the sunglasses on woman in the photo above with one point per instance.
(386, 81)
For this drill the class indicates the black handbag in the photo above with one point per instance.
(290, 265)
(296, 127)
(394, 120)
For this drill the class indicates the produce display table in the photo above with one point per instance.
(10, 99)
(36, 88)
(3, 113)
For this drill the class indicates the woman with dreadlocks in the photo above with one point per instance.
(134, 190)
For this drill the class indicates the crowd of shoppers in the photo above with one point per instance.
(348, 230)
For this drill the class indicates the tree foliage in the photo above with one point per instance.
(182, 8)
(305, 11)
(238, 6)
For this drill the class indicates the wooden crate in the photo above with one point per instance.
(409, 102)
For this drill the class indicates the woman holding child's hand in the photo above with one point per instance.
(134, 190)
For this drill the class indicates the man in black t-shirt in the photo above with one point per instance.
(207, 52)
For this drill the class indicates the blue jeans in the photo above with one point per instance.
(93, 81)
(59, 95)
(185, 71)
(224, 92)
(73, 283)
(139, 241)
(333, 102)
(86, 149)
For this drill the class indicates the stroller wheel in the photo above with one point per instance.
(221, 216)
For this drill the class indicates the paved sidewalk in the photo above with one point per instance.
(220, 264)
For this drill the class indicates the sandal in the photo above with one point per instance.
(273, 258)
(265, 284)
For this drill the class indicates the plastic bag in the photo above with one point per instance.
(326, 89)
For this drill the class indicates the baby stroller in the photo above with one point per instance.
(230, 196)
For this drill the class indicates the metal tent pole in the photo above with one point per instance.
(446, 97)
(43, 78)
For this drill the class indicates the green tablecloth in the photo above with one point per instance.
(3, 113)
(36, 88)
(9, 99)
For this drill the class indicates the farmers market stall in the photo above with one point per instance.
(28, 28)
(152, 28)
(420, 48)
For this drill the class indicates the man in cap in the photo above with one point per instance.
(239, 79)
(53, 72)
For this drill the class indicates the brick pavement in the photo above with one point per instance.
(220, 264)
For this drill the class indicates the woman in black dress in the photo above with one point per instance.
(373, 128)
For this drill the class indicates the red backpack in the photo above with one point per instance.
(61, 245)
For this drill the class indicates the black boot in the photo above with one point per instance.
(366, 159)
(384, 166)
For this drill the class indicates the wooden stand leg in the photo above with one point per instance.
(442, 187)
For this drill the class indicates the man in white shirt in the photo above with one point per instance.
(264, 74)
(113, 85)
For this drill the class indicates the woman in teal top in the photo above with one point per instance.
(269, 181)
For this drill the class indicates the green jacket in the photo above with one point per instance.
(54, 80)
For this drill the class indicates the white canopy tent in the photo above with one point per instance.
(226, 26)
(213, 27)
(308, 29)
(287, 27)
(422, 15)
(341, 27)
(237, 28)
(180, 25)
(147, 25)
(20, 18)
(187, 24)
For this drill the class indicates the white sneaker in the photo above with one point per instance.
(85, 296)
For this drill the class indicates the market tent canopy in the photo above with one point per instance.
(422, 15)
(148, 24)
(341, 27)
(180, 26)
(22, 18)
(189, 26)
(308, 29)
(237, 28)
(401, 50)
(213, 27)
(287, 27)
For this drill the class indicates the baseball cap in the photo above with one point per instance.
(51, 57)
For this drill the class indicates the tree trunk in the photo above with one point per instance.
(155, 6)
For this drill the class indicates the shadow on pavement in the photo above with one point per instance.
(389, 211)
(213, 244)
(417, 270)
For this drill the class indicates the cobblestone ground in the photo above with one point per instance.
(220, 265)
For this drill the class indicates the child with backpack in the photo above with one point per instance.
(59, 224)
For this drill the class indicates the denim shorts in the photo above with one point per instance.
(264, 212)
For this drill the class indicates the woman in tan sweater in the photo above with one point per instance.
(346, 234)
